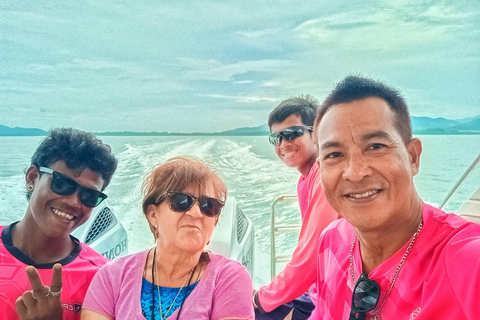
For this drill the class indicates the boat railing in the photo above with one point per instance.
(280, 228)
(460, 182)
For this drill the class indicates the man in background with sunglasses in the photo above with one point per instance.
(68, 172)
(392, 256)
(292, 290)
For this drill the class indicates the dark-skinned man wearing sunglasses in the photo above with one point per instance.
(45, 272)
(392, 256)
(292, 291)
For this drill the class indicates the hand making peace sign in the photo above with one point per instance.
(42, 302)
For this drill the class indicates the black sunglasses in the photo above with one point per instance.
(288, 134)
(182, 202)
(365, 297)
(65, 186)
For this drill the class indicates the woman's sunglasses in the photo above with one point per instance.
(365, 297)
(182, 202)
(65, 186)
(288, 134)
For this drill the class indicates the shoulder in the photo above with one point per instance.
(219, 261)
(464, 245)
(462, 265)
(89, 254)
(456, 242)
(124, 268)
(314, 175)
(128, 262)
(449, 231)
(336, 236)
(1, 238)
(338, 228)
(223, 266)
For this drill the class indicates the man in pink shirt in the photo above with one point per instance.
(44, 271)
(392, 256)
(291, 126)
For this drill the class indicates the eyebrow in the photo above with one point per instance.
(377, 134)
(330, 144)
(368, 136)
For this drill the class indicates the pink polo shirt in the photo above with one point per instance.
(300, 273)
(439, 280)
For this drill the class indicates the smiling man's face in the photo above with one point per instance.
(56, 215)
(298, 152)
(366, 168)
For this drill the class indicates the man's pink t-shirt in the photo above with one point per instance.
(78, 270)
(224, 292)
(439, 280)
(300, 273)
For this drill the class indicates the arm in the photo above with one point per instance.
(99, 303)
(465, 255)
(300, 273)
(232, 298)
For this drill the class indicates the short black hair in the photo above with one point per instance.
(355, 87)
(79, 150)
(304, 106)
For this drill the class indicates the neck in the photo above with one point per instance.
(305, 168)
(173, 267)
(36, 245)
(376, 246)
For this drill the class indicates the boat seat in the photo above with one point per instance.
(470, 209)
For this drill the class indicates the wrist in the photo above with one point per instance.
(255, 301)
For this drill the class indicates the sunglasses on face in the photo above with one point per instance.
(182, 202)
(288, 134)
(65, 186)
(365, 297)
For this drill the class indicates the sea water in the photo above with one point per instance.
(248, 165)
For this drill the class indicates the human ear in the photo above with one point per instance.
(152, 214)
(31, 175)
(414, 148)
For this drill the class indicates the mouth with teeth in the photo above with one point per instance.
(363, 195)
(63, 214)
(289, 154)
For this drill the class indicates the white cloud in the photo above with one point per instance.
(241, 99)
(199, 69)
(397, 27)
(137, 64)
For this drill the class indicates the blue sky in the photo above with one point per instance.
(208, 66)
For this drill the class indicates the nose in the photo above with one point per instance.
(73, 200)
(195, 211)
(284, 142)
(356, 168)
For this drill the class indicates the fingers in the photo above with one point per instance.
(56, 285)
(37, 285)
(29, 300)
(21, 308)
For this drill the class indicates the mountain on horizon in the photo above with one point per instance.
(18, 131)
(419, 125)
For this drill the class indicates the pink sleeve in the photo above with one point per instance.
(232, 298)
(300, 273)
(465, 255)
(100, 295)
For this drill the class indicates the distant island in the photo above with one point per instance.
(420, 125)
